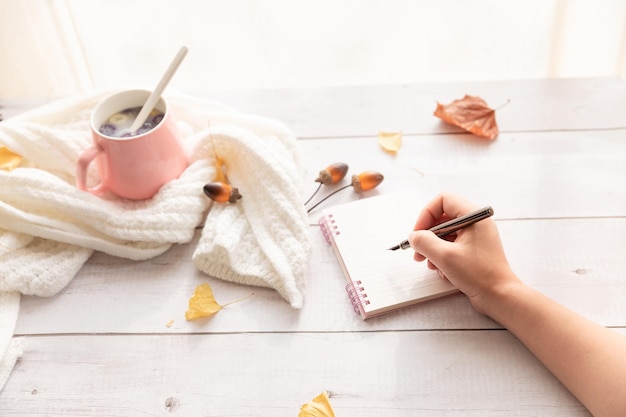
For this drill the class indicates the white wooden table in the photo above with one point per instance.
(555, 177)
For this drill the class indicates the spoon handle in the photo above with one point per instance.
(156, 93)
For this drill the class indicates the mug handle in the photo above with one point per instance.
(85, 159)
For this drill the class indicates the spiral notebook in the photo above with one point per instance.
(379, 280)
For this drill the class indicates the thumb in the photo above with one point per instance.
(428, 245)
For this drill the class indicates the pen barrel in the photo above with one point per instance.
(453, 225)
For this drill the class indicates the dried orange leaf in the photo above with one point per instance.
(9, 159)
(472, 114)
(390, 141)
(317, 407)
(202, 303)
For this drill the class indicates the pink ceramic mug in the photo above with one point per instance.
(132, 167)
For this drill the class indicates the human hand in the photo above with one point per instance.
(473, 258)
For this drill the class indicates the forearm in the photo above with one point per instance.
(586, 357)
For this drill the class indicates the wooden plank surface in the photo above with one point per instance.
(115, 341)
(573, 178)
(525, 106)
(578, 262)
(528, 105)
(412, 374)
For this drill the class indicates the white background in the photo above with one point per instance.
(55, 48)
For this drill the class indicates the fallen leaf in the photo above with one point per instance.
(9, 159)
(169, 324)
(221, 167)
(472, 114)
(390, 141)
(317, 407)
(202, 303)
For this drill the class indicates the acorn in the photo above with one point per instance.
(333, 173)
(222, 192)
(330, 175)
(366, 180)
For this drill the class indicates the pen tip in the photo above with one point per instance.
(394, 247)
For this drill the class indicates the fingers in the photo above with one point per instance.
(443, 207)
(429, 246)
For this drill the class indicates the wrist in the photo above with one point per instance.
(498, 301)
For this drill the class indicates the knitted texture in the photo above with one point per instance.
(63, 224)
(49, 228)
(262, 240)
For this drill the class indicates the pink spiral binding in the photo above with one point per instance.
(357, 295)
(328, 226)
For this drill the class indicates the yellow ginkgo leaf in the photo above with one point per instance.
(390, 141)
(8, 159)
(202, 303)
(317, 407)
(221, 167)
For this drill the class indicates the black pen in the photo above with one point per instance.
(453, 225)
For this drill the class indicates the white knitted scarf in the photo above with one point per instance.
(49, 228)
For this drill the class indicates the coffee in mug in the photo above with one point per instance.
(132, 165)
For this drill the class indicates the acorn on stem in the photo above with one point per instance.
(330, 175)
(222, 192)
(333, 173)
(365, 181)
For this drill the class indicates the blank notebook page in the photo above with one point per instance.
(380, 280)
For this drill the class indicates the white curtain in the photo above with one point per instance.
(59, 47)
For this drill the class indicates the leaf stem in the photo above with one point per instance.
(238, 299)
(502, 105)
